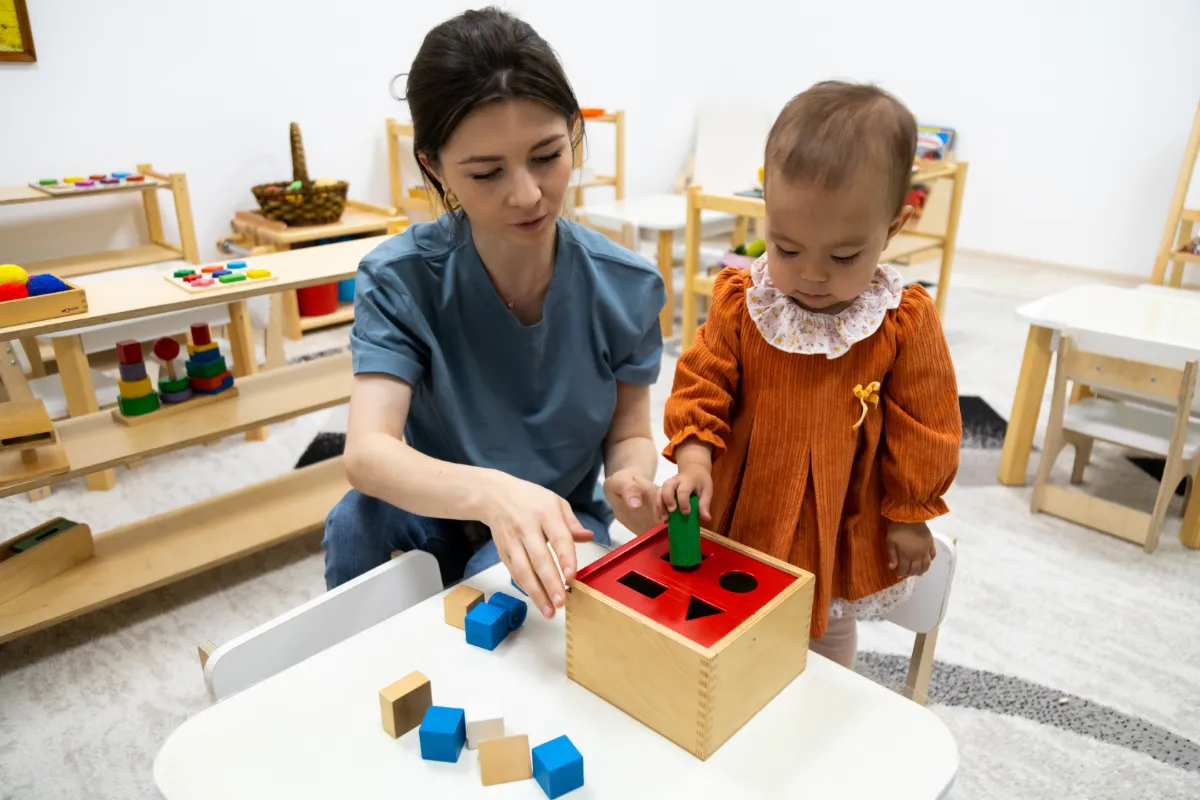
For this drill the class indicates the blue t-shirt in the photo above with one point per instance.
(533, 401)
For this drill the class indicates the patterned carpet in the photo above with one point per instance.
(1068, 665)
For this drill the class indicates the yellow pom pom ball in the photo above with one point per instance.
(11, 273)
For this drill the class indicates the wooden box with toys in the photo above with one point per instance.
(207, 378)
(688, 632)
(32, 298)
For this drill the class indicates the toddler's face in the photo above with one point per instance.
(823, 246)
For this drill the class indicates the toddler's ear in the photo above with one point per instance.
(901, 219)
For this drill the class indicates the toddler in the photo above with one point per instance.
(816, 416)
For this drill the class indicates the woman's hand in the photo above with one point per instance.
(910, 548)
(523, 518)
(636, 501)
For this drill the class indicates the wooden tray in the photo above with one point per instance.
(61, 189)
(170, 409)
(216, 284)
(44, 306)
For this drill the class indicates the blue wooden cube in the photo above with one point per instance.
(486, 625)
(443, 733)
(514, 609)
(513, 581)
(557, 767)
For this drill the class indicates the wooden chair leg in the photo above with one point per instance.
(1166, 492)
(920, 667)
(1083, 454)
(1053, 447)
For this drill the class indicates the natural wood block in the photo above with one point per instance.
(23, 566)
(404, 703)
(505, 760)
(694, 654)
(458, 602)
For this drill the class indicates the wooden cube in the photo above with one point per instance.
(505, 760)
(458, 601)
(404, 703)
(482, 725)
(693, 654)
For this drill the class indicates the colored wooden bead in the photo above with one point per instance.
(129, 351)
(205, 354)
(135, 389)
(135, 178)
(233, 277)
(177, 397)
(168, 384)
(136, 406)
(182, 273)
(219, 272)
(209, 384)
(259, 273)
(206, 370)
(109, 181)
(211, 268)
(236, 265)
(201, 334)
(220, 387)
(72, 178)
(121, 175)
(48, 182)
(98, 177)
(166, 348)
(133, 372)
(201, 282)
(193, 277)
(84, 184)
(11, 273)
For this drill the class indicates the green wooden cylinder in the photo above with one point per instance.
(683, 536)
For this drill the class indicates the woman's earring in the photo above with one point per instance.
(451, 202)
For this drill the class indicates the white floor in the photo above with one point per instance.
(1104, 631)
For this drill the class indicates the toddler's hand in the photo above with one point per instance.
(910, 548)
(677, 491)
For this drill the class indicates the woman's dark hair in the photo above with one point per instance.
(475, 58)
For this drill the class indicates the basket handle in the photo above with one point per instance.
(299, 167)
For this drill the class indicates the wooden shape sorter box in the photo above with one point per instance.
(692, 654)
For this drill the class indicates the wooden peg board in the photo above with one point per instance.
(61, 189)
(216, 284)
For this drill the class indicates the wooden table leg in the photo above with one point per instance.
(80, 393)
(1027, 405)
(666, 265)
(37, 367)
(1189, 533)
(245, 360)
(950, 241)
(291, 316)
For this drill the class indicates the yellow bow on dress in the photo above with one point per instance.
(868, 394)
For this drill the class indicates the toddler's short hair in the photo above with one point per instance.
(832, 130)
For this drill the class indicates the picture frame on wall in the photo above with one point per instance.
(16, 36)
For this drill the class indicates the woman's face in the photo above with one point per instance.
(509, 165)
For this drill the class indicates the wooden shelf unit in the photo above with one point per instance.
(254, 231)
(154, 552)
(157, 251)
(906, 244)
(1181, 222)
(617, 179)
(96, 442)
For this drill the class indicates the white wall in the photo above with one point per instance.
(1073, 114)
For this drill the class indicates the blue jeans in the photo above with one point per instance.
(361, 533)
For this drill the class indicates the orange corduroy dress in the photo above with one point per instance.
(792, 476)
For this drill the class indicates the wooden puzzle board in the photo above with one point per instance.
(216, 285)
(61, 189)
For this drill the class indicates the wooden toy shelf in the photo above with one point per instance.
(154, 552)
(617, 179)
(1181, 221)
(344, 314)
(96, 442)
(158, 250)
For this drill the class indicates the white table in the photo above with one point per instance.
(314, 731)
(1146, 324)
(665, 213)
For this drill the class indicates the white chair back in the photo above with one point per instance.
(322, 622)
(926, 607)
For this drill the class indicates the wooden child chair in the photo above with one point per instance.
(1127, 423)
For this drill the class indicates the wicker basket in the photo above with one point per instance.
(310, 204)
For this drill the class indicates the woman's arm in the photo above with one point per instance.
(521, 516)
(631, 460)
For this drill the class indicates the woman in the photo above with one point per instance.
(512, 349)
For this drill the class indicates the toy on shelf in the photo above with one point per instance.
(217, 276)
(744, 255)
(301, 201)
(96, 182)
(208, 378)
(28, 442)
(41, 553)
(32, 298)
(740, 609)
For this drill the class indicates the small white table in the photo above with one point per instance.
(1153, 324)
(314, 730)
(665, 213)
